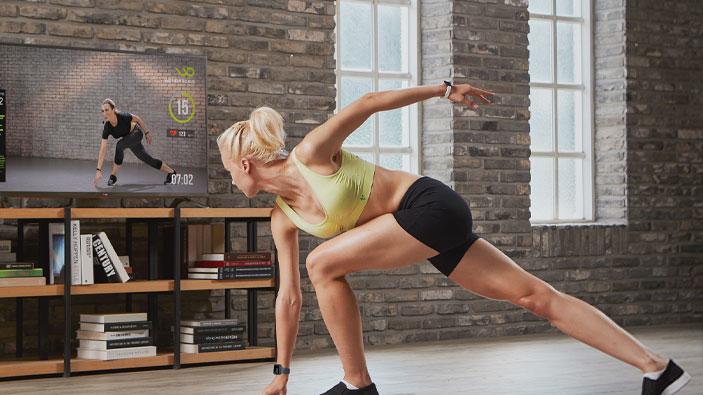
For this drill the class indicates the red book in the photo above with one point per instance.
(231, 263)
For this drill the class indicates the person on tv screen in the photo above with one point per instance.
(130, 130)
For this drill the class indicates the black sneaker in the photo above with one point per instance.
(341, 389)
(670, 382)
(169, 178)
(112, 181)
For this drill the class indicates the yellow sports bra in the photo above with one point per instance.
(343, 195)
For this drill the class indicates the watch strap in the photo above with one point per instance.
(448, 90)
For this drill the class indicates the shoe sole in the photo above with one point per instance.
(677, 385)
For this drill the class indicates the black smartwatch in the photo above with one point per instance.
(279, 369)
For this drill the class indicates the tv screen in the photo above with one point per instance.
(53, 122)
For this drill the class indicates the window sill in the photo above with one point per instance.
(589, 224)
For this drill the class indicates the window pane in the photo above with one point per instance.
(568, 7)
(353, 88)
(569, 120)
(393, 38)
(541, 119)
(356, 34)
(540, 47)
(540, 6)
(570, 188)
(542, 188)
(568, 53)
(394, 125)
(395, 161)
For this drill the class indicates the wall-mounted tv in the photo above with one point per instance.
(53, 122)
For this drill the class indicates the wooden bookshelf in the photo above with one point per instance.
(225, 212)
(198, 285)
(229, 356)
(27, 367)
(135, 286)
(21, 367)
(31, 213)
(95, 213)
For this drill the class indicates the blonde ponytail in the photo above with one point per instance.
(261, 136)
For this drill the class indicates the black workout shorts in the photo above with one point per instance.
(437, 216)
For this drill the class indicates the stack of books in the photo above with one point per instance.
(232, 265)
(16, 274)
(115, 336)
(200, 336)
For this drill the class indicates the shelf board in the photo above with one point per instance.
(134, 286)
(78, 213)
(226, 212)
(128, 287)
(31, 213)
(223, 356)
(197, 285)
(27, 367)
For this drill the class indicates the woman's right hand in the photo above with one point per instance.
(277, 386)
(98, 177)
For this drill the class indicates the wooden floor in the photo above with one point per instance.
(542, 364)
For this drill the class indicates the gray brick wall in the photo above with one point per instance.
(54, 105)
(646, 269)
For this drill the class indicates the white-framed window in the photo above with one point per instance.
(561, 102)
(377, 50)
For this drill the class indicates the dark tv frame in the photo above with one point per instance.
(107, 194)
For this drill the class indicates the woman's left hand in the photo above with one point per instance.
(148, 138)
(461, 92)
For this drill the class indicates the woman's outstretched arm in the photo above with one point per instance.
(327, 139)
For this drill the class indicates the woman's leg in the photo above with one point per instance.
(378, 244)
(486, 271)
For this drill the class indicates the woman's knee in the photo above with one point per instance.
(319, 267)
(540, 300)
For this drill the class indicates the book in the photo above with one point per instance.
(57, 244)
(125, 260)
(209, 323)
(112, 318)
(232, 269)
(232, 263)
(113, 344)
(16, 265)
(211, 330)
(22, 281)
(108, 259)
(200, 348)
(203, 339)
(116, 326)
(87, 275)
(118, 353)
(228, 276)
(241, 256)
(75, 239)
(90, 335)
(6, 273)
(5, 245)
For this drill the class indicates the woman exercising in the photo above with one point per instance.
(376, 218)
(130, 130)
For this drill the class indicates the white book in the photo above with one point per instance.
(213, 322)
(118, 353)
(110, 318)
(203, 276)
(125, 260)
(219, 338)
(76, 267)
(108, 259)
(87, 275)
(212, 257)
(90, 335)
(114, 344)
(116, 326)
